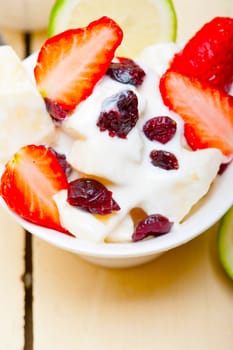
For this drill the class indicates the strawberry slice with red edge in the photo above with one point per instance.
(71, 63)
(28, 184)
(208, 55)
(207, 112)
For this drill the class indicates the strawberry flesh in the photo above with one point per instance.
(28, 184)
(208, 55)
(71, 63)
(207, 112)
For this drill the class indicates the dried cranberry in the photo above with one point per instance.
(223, 168)
(119, 114)
(164, 160)
(126, 71)
(56, 112)
(63, 161)
(153, 225)
(160, 129)
(92, 196)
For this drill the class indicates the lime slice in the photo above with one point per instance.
(225, 242)
(144, 22)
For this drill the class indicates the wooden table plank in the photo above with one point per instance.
(193, 14)
(11, 286)
(15, 39)
(180, 301)
(12, 259)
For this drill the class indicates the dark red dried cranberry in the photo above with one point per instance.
(153, 225)
(56, 112)
(160, 129)
(126, 71)
(223, 168)
(164, 160)
(62, 161)
(92, 196)
(119, 114)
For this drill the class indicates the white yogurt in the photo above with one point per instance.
(125, 163)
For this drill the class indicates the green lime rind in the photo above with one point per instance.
(225, 242)
(174, 22)
(54, 14)
(61, 11)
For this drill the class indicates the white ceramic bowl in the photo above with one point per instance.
(205, 214)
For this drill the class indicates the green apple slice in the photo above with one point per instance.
(144, 22)
(225, 242)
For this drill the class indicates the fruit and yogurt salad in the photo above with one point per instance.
(116, 149)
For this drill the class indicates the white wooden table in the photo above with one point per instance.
(181, 301)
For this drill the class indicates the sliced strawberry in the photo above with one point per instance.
(207, 112)
(29, 181)
(208, 55)
(71, 63)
